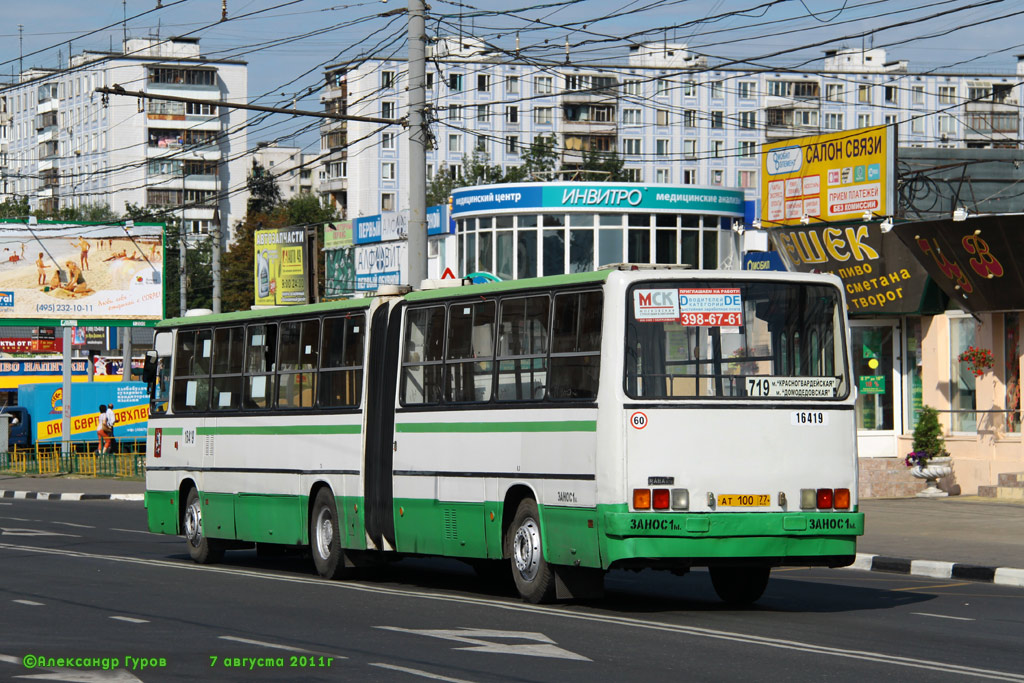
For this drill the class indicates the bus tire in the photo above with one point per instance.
(533, 576)
(202, 549)
(740, 585)
(325, 536)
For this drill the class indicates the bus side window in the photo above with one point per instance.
(422, 356)
(193, 353)
(523, 348)
(296, 379)
(260, 354)
(227, 368)
(341, 361)
(576, 345)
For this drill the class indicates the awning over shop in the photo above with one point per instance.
(974, 261)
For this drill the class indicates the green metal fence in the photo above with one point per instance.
(82, 458)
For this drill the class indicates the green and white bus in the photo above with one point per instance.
(632, 417)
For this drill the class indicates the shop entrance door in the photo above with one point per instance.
(876, 367)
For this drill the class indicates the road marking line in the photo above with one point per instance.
(132, 620)
(942, 616)
(418, 672)
(30, 603)
(17, 531)
(11, 660)
(137, 531)
(941, 585)
(21, 519)
(278, 646)
(552, 612)
(79, 526)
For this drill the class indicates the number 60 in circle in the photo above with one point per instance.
(638, 420)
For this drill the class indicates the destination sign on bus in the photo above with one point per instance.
(699, 307)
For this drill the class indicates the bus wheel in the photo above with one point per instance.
(325, 536)
(739, 585)
(201, 549)
(534, 577)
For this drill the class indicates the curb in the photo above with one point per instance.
(42, 495)
(1004, 576)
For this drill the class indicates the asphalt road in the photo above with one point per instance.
(84, 582)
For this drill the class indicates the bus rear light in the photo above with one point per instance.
(824, 499)
(641, 499)
(782, 499)
(842, 499)
(680, 499)
(808, 499)
(661, 499)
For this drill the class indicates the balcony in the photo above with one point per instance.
(792, 120)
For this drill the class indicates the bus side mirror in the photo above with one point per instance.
(149, 368)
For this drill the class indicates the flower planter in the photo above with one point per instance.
(931, 472)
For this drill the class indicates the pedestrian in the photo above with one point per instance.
(111, 420)
(103, 430)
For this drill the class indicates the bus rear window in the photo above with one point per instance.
(733, 339)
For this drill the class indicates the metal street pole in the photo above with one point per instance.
(182, 284)
(417, 145)
(215, 260)
(65, 392)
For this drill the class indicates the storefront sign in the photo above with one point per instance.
(763, 260)
(976, 261)
(380, 264)
(871, 384)
(579, 196)
(384, 227)
(833, 177)
(879, 274)
(337, 235)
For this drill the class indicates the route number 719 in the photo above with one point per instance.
(757, 386)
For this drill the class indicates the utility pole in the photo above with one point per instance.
(417, 145)
(182, 283)
(21, 50)
(215, 259)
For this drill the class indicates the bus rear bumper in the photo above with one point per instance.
(702, 539)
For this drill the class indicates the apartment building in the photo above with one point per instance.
(62, 144)
(296, 173)
(672, 116)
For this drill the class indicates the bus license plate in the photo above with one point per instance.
(744, 500)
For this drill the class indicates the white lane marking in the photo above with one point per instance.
(137, 531)
(11, 531)
(942, 616)
(21, 519)
(279, 646)
(79, 526)
(7, 504)
(30, 603)
(83, 676)
(131, 620)
(418, 672)
(553, 612)
(540, 645)
(10, 660)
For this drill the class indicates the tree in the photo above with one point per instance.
(237, 293)
(87, 213)
(264, 194)
(602, 167)
(15, 207)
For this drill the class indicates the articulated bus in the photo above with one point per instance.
(552, 428)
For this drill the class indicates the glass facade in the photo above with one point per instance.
(963, 332)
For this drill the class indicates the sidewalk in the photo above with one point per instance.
(958, 537)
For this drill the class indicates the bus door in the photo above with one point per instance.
(382, 379)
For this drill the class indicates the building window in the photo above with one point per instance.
(947, 124)
(631, 88)
(512, 144)
(689, 89)
(483, 113)
(863, 120)
(917, 124)
(864, 93)
(481, 144)
(746, 179)
(633, 175)
(1011, 377)
(543, 85)
(387, 79)
(891, 94)
(483, 83)
(689, 149)
(717, 90)
(455, 112)
(746, 89)
(748, 148)
(689, 176)
(662, 147)
(662, 117)
(543, 115)
(717, 176)
(631, 117)
(512, 85)
(748, 119)
(890, 119)
(947, 94)
(430, 80)
(387, 201)
(661, 87)
(834, 92)
(387, 109)
(833, 121)
(455, 143)
(195, 109)
(455, 82)
(387, 141)
(717, 119)
(917, 94)
(689, 118)
(512, 113)
(717, 149)
(963, 384)
(663, 175)
(631, 146)
(387, 170)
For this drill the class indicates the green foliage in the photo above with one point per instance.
(539, 162)
(264, 194)
(928, 434)
(15, 207)
(88, 213)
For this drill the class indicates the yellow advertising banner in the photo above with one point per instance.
(833, 177)
(281, 267)
(82, 424)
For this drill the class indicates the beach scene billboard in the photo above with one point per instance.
(81, 272)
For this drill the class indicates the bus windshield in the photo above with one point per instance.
(719, 339)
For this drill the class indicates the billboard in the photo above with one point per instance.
(281, 267)
(588, 196)
(833, 177)
(82, 272)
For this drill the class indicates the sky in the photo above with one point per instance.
(287, 43)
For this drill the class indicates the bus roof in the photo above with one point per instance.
(272, 312)
(510, 285)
